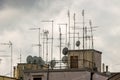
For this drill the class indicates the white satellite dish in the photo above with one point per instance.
(29, 59)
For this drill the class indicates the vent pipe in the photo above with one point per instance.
(103, 67)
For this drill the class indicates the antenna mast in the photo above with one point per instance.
(74, 32)
(11, 46)
(38, 38)
(83, 27)
(90, 22)
(46, 34)
(69, 28)
(60, 44)
(52, 37)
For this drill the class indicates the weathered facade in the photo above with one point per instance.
(71, 74)
(18, 71)
(80, 65)
(85, 59)
(6, 78)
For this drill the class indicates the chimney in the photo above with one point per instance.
(106, 68)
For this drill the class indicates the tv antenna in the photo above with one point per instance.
(38, 38)
(11, 46)
(46, 34)
(64, 24)
(74, 32)
(52, 37)
(83, 27)
(69, 29)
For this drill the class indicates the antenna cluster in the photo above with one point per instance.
(77, 36)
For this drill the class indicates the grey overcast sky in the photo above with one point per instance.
(18, 16)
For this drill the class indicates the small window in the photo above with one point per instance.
(37, 78)
(74, 61)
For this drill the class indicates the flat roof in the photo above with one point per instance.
(64, 70)
(86, 50)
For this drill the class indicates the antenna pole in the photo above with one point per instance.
(43, 44)
(20, 56)
(46, 34)
(85, 37)
(69, 28)
(90, 22)
(51, 37)
(10, 44)
(11, 55)
(38, 38)
(52, 42)
(39, 42)
(60, 44)
(78, 40)
(74, 33)
(66, 34)
(83, 27)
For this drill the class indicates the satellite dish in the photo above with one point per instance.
(35, 60)
(52, 63)
(29, 59)
(78, 43)
(65, 59)
(65, 51)
(40, 61)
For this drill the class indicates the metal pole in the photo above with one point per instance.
(74, 34)
(39, 41)
(51, 37)
(66, 34)
(91, 33)
(83, 27)
(48, 73)
(38, 38)
(43, 44)
(69, 29)
(10, 43)
(83, 38)
(52, 42)
(60, 45)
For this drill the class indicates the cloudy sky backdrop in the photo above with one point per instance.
(18, 16)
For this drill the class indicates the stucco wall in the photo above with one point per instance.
(82, 75)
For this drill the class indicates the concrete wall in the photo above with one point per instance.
(82, 75)
(6, 78)
(92, 58)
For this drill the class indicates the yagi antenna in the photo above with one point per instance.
(38, 38)
(51, 36)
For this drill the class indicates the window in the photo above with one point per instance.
(74, 62)
(37, 78)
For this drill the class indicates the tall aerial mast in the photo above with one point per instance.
(65, 32)
(38, 38)
(11, 46)
(74, 32)
(46, 34)
(83, 27)
(69, 44)
(52, 37)
(91, 33)
(60, 43)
